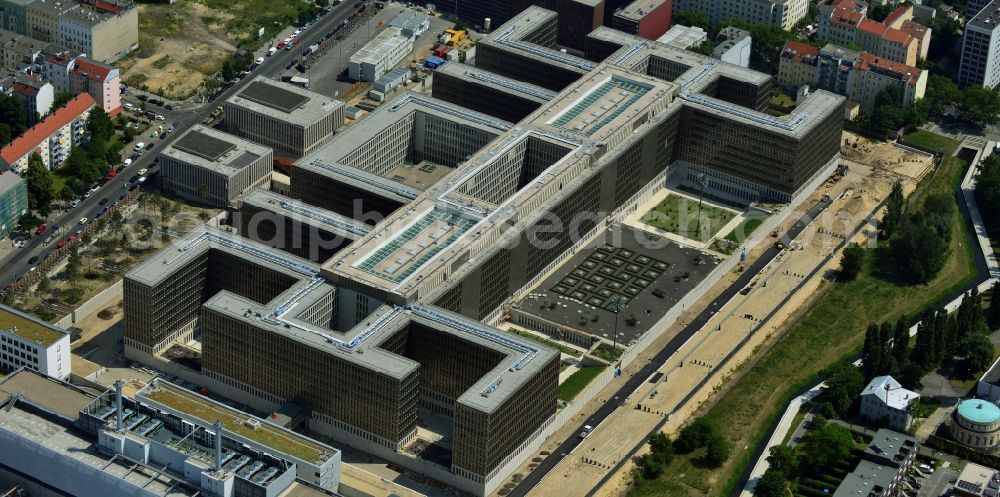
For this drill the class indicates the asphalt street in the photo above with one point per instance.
(663, 355)
(183, 117)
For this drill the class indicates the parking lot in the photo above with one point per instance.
(936, 484)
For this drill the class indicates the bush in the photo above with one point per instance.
(695, 436)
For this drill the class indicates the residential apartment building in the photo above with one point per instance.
(884, 401)
(859, 76)
(75, 73)
(732, 45)
(897, 38)
(649, 19)
(14, 15)
(884, 465)
(784, 13)
(13, 201)
(284, 117)
(19, 51)
(980, 63)
(30, 343)
(103, 32)
(36, 94)
(52, 138)
(43, 18)
(214, 168)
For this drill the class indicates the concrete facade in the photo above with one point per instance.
(980, 63)
(380, 55)
(214, 168)
(30, 343)
(104, 36)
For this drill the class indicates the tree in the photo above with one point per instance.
(901, 345)
(843, 384)
(878, 12)
(851, 262)
(917, 251)
(924, 349)
(39, 184)
(895, 209)
(888, 363)
(694, 436)
(993, 317)
(980, 104)
(691, 18)
(871, 354)
(73, 266)
(978, 352)
(783, 459)
(772, 483)
(988, 190)
(14, 115)
(61, 99)
(825, 446)
(716, 452)
(99, 125)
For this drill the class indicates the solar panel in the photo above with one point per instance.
(273, 96)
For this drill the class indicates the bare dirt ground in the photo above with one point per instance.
(177, 51)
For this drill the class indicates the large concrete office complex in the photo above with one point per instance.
(214, 168)
(296, 227)
(284, 117)
(363, 369)
(491, 93)
(384, 161)
(395, 327)
(980, 64)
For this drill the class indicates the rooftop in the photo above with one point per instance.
(29, 327)
(987, 19)
(380, 46)
(891, 445)
(284, 101)
(209, 411)
(214, 150)
(53, 395)
(601, 105)
(802, 53)
(639, 9)
(683, 36)
(978, 480)
(890, 392)
(867, 480)
(493, 80)
(979, 411)
(305, 213)
(891, 68)
(31, 138)
(511, 37)
(409, 20)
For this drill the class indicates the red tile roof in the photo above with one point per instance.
(796, 51)
(870, 26)
(92, 70)
(891, 18)
(24, 89)
(897, 36)
(869, 62)
(914, 29)
(59, 58)
(31, 139)
(108, 7)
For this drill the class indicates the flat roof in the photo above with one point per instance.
(305, 213)
(511, 36)
(863, 480)
(234, 421)
(601, 105)
(214, 150)
(474, 75)
(381, 46)
(990, 12)
(29, 327)
(49, 393)
(681, 36)
(284, 101)
(976, 479)
(274, 97)
(639, 9)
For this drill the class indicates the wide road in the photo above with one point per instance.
(663, 355)
(16, 264)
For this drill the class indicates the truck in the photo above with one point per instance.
(312, 49)
(299, 81)
(433, 62)
(140, 146)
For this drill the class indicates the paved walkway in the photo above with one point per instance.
(968, 188)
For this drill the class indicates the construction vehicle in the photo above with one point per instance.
(455, 36)
(217, 112)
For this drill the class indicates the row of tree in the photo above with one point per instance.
(941, 337)
(768, 39)
(824, 445)
(988, 191)
(700, 434)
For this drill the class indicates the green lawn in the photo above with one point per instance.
(569, 389)
(831, 330)
(607, 352)
(544, 341)
(734, 238)
(783, 99)
(932, 140)
(680, 215)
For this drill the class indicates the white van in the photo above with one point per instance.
(128, 107)
(260, 60)
(139, 146)
(271, 51)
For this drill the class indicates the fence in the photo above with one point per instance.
(94, 304)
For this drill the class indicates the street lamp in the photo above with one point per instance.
(617, 305)
(703, 181)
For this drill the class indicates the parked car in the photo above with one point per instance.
(169, 106)
(142, 97)
(74, 203)
(103, 201)
(259, 61)
(83, 221)
(143, 171)
(41, 229)
(33, 260)
(61, 244)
